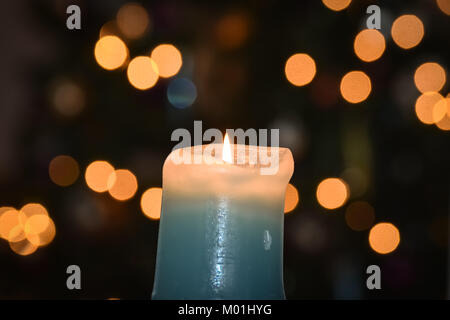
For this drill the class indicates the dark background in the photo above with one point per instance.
(405, 161)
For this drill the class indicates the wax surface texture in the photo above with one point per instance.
(221, 231)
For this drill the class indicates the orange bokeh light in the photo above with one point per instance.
(407, 31)
(384, 238)
(97, 174)
(355, 86)
(122, 184)
(133, 20)
(110, 52)
(369, 45)
(429, 76)
(332, 193)
(63, 170)
(300, 69)
(444, 5)
(425, 105)
(291, 198)
(168, 59)
(336, 5)
(151, 203)
(142, 73)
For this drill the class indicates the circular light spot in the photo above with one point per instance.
(359, 215)
(110, 52)
(232, 30)
(36, 224)
(384, 238)
(300, 69)
(109, 29)
(440, 109)
(133, 20)
(29, 210)
(97, 174)
(407, 31)
(151, 203)
(332, 193)
(142, 73)
(181, 93)
(45, 236)
(355, 86)
(291, 198)
(16, 234)
(336, 5)
(425, 106)
(63, 170)
(444, 5)
(23, 248)
(68, 99)
(122, 184)
(369, 45)
(168, 59)
(444, 123)
(8, 221)
(429, 76)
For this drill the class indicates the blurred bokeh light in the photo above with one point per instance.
(429, 76)
(63, 170)
(181, 93)
(336, 5)
(355, 86)
(300, 69)
(142, 73)
(407, 31)
(369, 45)
(332, 193)
(110, 52)
(425, 105)
(97, 175)
(168, 59)
(151, 203)
(291, 198)
(384, 237)
(133, 20)
(122, 184)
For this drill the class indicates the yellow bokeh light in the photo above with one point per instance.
(336, 5)
(110, 52)
(300, 69)
(142, 73)
(122, 184)
(23, 247)
(384, 237)
(359, 215)
(16, 234)
(133, 20)
(36, 224)
(355, 86)
(369, 45)
(444, 5)
(97, 175)
(151, 203)
(332, 193)
(63, 170)
(407, 31)
(440, 109)
(425, 105)
(429, 76)
(291, 198)
(29, 210)
(168, 59)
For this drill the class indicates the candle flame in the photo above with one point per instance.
(226, 150)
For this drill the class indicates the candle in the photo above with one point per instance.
(221, 226)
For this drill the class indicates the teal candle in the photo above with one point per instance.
(221, 229)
